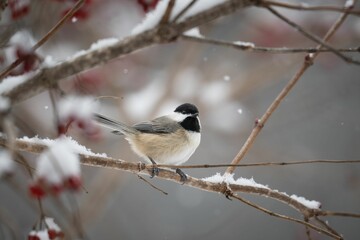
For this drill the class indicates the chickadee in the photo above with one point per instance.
(170, 139)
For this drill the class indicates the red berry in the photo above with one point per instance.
(18, 8)
(74, 182)
(52, 233)
(147, 5)
(36, 191)
(33, 237)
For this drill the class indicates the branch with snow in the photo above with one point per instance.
(224, 184)
(147, 36)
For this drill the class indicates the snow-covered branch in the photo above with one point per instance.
(223, 184)
(46, 77)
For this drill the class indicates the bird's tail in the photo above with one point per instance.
(118, 127)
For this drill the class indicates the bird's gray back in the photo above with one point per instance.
(158, 125)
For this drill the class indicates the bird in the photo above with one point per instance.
(169, 139)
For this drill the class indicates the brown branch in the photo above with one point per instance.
(261, 164)
(310, 8)
(111, 163)
(152, 185)
(308, 61)
(117, 164)
(264, 49)
(47, 77)
(182, 12)
(273, 214)
(44, 39)
(311, 36)
(339, 214)
(166, 17)
(326, 225)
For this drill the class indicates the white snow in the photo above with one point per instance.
(349, 3)
(229, 179)
(78, 107)
(49, 62)
(153, 18)
(194, 32)
(51, 224)
(308, 203)
(11, 82)
(4, 103)
(58, 162)
(6, 162)
(101, 43)
(42, 235)
(22, 39)
(240, 111)
(74, 145)
(244, 44)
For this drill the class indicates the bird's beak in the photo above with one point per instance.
(195, 114)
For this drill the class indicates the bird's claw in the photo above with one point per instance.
(183, 177)
(154, 171)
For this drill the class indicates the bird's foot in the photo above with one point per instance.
(154, 171)
(183, 177)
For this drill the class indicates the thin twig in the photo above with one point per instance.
(45, 38)
(166, 17)
(48, 76)
(273, 214)
(254, 48)
(152, 185)
(182, 12)
(306, 7)
(261, 164)
(340, 214)
(307, 229)
(259, 124)
(325, 224)
(311, 36)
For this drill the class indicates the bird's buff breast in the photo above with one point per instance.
(172, 148)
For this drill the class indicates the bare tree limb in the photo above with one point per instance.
(44, 39)
(326, 225)
(273, 214)
(182, 12)
(166, 17)
(47, 77)
(259, 124)
(261, 164)
(312, 37)
(264, 49)
(305, 7)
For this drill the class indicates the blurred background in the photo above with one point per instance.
(319, 119)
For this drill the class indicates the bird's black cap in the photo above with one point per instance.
(187, 108)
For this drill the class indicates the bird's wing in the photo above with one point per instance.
(158, 125)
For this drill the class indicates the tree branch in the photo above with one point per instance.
(259, 124)
(47, 77)
(305, 7)
(44, 39)
(264, 49)
(312, 37)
